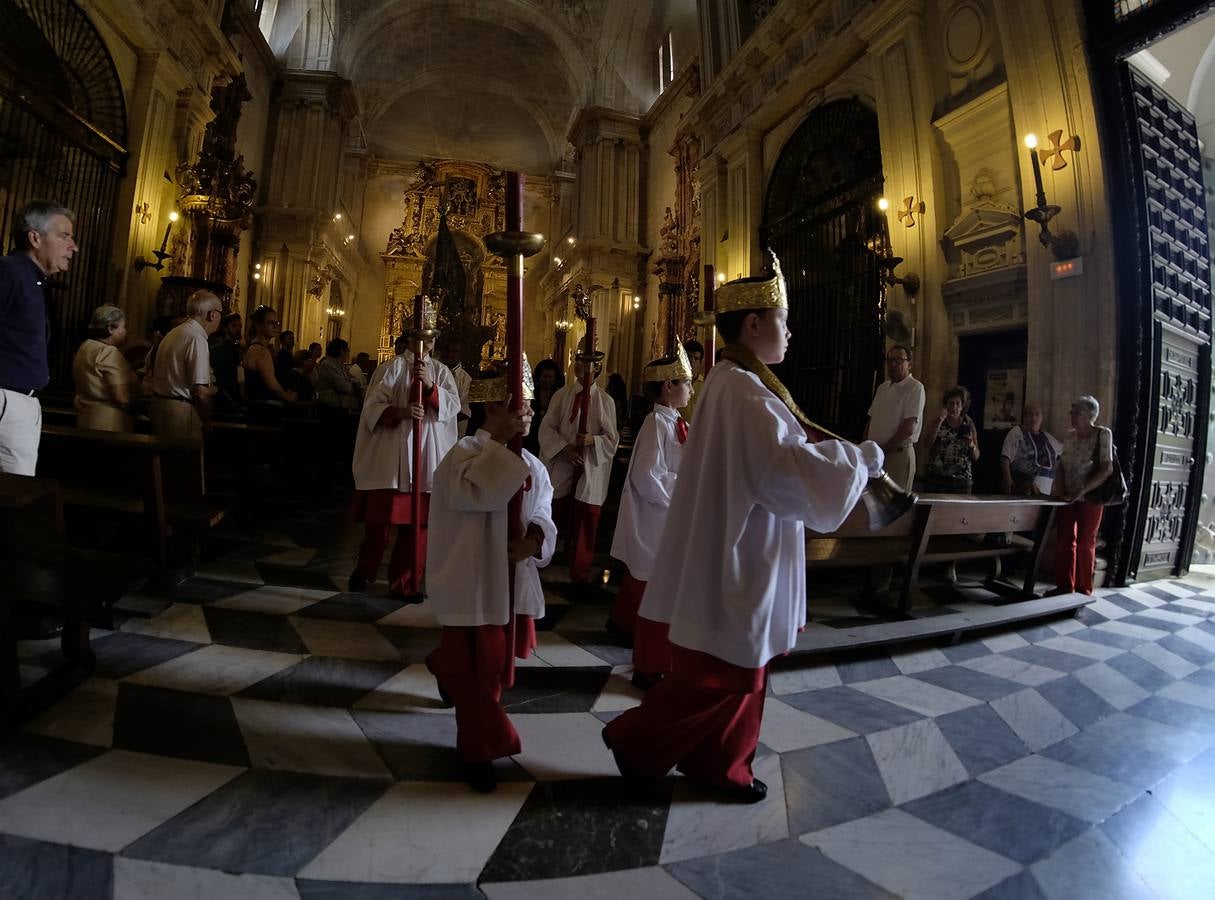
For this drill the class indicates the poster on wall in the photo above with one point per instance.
(1005, 394)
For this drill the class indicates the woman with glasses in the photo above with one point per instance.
(267, 398)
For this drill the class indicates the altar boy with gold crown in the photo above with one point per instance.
(383, 462)
(653, 468)
(468, 584)
(730, 568)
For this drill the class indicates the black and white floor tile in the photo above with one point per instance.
(260, 733)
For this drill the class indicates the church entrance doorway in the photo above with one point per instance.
(821, 219)
(63, 134)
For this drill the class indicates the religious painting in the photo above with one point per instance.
(1003, 399)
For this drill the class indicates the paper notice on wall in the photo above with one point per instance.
(1005, 394)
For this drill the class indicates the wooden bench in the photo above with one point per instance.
(42, 574)
(163, 481)
(941, 528)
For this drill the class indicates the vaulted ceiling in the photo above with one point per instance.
(496, 80)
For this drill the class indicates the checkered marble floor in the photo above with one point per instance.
(259, 733)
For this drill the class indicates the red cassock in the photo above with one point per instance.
(704, 719)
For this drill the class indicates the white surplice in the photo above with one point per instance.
(383, 456)
(468, 519)
(557, 432)
(730, 575)
(463, 383)
(647, 492)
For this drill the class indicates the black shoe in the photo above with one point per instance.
(443, 695)
(40, 628)
(357, 584)
(481, 776)
(644, 682)
(752, 793)
(628, 771)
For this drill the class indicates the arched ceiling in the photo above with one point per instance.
(496, 80)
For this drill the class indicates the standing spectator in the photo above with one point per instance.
(316, 351)
(896, 415)
(284, 361)
(953, 446)
(43, 233)
(452, 355)
(1086, 462)
(105, 382)
(266, 395)
(1027, 460)
(548, 379)
(359, 371)
(226, 352)
(619, 392)
(336, 387)
(181, 379)
(696, 356)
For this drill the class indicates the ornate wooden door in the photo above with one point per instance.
(1176, 295)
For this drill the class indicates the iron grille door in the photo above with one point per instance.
(1176, 297)
(61, 124)
(821, 221)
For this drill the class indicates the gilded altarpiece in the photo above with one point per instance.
(473, 196)
(678, 261)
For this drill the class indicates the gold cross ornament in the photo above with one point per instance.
(909, 211)
(1056, 150)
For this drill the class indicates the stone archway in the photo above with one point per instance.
(63, 133)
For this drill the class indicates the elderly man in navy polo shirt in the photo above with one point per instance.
(43, 235)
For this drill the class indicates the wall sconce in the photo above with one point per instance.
(336, 312)
(161, 254)
(886, 259)
(257, 271)
(337, 217)
(1065, 244)
(563, 325)
(721, 277)
(570, 240)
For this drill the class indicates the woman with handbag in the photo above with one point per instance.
(1085, 466)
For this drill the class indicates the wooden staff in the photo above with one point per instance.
(513, 245)
(589, 358)
(416, 396)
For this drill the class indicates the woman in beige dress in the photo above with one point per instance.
(105, 381)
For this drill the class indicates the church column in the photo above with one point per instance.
(297, 224)
(608, 258)
(1050, 88)
(911, 167)
(713, 218)
(744, 152)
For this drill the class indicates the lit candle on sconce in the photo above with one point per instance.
(1031, 141)
(168, 230)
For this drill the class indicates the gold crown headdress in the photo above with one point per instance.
(680, 370)
(495, 389)
(753, 293)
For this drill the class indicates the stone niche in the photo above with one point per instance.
(985, 243)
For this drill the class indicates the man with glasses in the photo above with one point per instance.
(895, 415)
(181, 378)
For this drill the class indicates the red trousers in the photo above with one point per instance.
(703, 718)
(627, 602)
(651, 647)
(578, 523)
(406, 566)
(1076, 546)
(470, 664)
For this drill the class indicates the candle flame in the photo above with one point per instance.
(173, 216)
(1031, 141)
(883, 204)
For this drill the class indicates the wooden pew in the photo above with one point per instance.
(163, 481)
(43, 574)
(940, 528)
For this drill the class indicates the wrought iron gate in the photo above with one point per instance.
(62, 138)
(1176, 329)
(822, 221)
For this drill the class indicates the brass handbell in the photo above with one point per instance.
(885, 501)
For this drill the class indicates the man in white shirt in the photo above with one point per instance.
(181, 378)
(896, 414)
